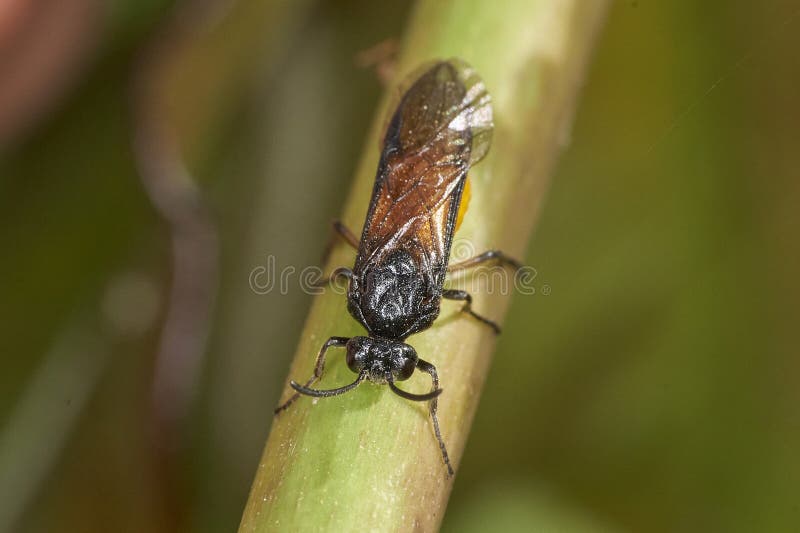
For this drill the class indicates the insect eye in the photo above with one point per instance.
(352, 363)
(409, 364)
(357, 351)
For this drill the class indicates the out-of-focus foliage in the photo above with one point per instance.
(653, 389)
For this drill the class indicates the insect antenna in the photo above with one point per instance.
(410, 395)
(330, 392)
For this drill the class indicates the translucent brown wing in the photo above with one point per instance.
(440, 128)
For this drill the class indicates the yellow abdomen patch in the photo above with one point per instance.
(462, 209)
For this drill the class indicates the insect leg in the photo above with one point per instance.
(382, 57)
(430, 369)
(345, 233)
(485, 257)
(464, 296)
(341, 272)
(333, 341)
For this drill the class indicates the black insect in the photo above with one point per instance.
(441, 127)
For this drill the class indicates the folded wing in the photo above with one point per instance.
(440, 128)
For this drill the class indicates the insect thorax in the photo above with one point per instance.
(393, 297)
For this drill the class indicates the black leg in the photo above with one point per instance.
(341, 272)
(333, 341)
(430, 369)
(464, 296)
(345, 233)
(485, 257)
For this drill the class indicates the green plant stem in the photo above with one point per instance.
(368, 460)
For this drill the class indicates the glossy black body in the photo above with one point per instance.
(440, 127)
(397, 280)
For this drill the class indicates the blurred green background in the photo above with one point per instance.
(655, 388)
